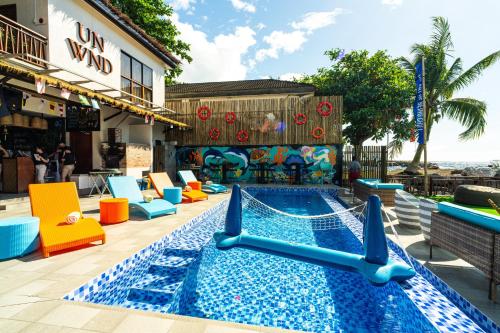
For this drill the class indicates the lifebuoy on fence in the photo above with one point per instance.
(230, 117)
(214, 133)
(318, 132)
(204, 112)
(300, 119)
(242, 136)
(324, 108)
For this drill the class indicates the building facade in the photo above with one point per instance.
(90, 74)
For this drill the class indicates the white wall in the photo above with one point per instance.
(63, 18)
(29, 12)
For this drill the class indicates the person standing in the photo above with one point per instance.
(68, 164)
(354, 170)
(55, 161)
(41, 160)
(3, 154)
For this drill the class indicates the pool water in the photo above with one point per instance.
(246, 286)
(257, 288)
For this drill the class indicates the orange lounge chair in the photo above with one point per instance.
(52, 203)
(161, 180)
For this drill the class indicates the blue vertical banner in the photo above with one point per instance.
(418, 104)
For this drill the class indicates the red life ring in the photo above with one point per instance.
(204, 112)
(242, 136)
(230, 117)
(214, 134)
(318, 132)
(322, 111)
(300, 119)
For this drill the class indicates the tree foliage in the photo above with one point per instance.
(153, 17)
(443, 80)
(376, 92)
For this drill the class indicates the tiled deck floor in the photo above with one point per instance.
(31, 287)
(458, 274)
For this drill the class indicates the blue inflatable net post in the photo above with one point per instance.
(234, 213)
(375, 242)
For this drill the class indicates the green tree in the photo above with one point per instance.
(376, 92)
(153, 17)
(442, 81)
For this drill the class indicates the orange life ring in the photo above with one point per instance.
(214, 133)
(242, 136)
(318, 132)
(320, 108)
(204, 112)
(300, 119)
(230, 117)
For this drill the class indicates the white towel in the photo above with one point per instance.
(73, 217)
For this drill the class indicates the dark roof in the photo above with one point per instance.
(126, 24)
(237, 88)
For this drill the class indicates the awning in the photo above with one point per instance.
(30, 74)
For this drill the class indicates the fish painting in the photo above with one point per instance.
(258, 154)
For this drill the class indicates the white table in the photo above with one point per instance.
(101, 176)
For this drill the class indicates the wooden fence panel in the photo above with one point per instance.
(373, 160)
(260, 118)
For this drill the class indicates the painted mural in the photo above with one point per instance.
(270, 164)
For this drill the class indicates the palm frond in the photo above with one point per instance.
(441, 35)
(469, 112)
(407, 65)
(474, 72)
(395, 148)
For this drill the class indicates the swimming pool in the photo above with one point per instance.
(185, 274)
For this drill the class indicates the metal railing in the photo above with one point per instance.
(442, 185)
(22, 43)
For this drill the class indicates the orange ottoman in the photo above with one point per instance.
(113, 210)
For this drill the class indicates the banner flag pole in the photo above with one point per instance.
(426, 177)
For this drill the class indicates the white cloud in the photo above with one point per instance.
(291, 76)
(220, 59)
(243, 5)
(316, 20)
(393, 3)
(182, 4)
(287, 42)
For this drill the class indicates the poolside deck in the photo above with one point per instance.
(458, 274)
(31, 287)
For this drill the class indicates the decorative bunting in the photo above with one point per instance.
(40, 85)
(25, 97)
(95, 104)
(83, 100)
(65, 93)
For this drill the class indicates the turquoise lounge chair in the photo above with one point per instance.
(126, 187)
(187, 176)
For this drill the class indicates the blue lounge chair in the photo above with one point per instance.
(126, 187)
(187, 176)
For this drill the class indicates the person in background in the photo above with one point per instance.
(41, 160)
(354, 171)
(55, 161)
(68, 163)
(3, 154)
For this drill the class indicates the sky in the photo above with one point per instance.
(253, 39)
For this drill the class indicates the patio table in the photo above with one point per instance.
(102, 175)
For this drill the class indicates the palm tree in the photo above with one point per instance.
(442, 81)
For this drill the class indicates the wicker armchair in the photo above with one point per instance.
(477, 245)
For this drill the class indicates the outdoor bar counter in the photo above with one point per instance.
(18, 173)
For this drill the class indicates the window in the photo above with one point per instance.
(136, 79)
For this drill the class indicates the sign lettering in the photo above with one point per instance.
(80, 51)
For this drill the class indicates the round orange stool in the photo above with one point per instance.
(113, 210)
